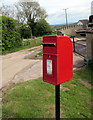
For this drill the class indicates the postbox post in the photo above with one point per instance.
(57, 98)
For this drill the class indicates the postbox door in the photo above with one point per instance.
(50, 68)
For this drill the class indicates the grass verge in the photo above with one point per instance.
(36, 99)
(39, 54)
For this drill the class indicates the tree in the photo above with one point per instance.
(24, 30)
(42, 28)
(30, 12)
(8, 11)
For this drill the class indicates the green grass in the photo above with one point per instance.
(27, 43)
(32, 49)
(85, 74)
(36, 99)
(39, 54)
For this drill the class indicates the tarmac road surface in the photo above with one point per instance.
(13, 63)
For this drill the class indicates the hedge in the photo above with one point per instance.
(10, 36)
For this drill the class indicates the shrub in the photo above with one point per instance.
(42, 28)
(24, 31)
(10, 36)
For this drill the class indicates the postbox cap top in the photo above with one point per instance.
(47, 36)
(54, 36)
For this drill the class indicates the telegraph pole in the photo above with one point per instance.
(66, 16)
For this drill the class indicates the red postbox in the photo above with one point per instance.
(57, 59)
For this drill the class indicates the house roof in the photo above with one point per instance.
(84, 21)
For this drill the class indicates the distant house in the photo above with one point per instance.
(83, 22)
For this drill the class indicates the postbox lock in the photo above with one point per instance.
(49, 56)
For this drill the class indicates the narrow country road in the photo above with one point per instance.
(15, 62)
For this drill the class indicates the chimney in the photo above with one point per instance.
(91, 16)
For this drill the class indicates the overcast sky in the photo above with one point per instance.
(77, 9)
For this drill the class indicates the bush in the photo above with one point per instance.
(10, 36)
(24, 31)
(42, 28)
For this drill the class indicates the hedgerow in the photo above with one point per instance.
(10, 36)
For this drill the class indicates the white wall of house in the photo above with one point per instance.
(79, 23)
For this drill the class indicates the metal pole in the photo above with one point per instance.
(57, 91)
(66, 15)
(74, 43)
